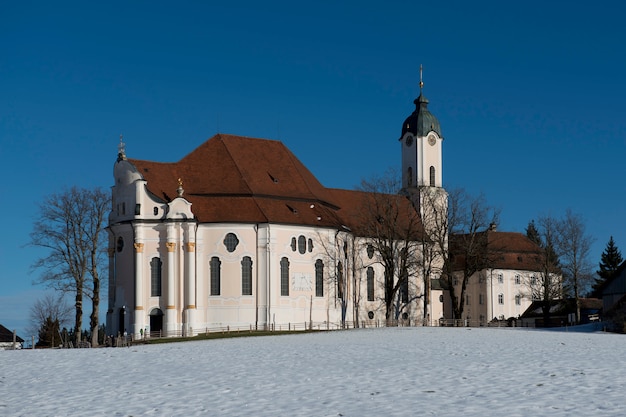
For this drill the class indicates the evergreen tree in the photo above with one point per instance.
(548, 286)
(610, 260)
(49, 333)
(532, 233)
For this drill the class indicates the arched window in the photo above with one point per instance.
(293, 244)
(319, 278)
(310, 245)
(409, 175)
(301, 244)
(370, 283)
(370, 251)
(404, 288)
(284, 277)
(500, 298)
(340, 280)
(215, 266)
(155, 277)
(518, 300)
(246, 276)
(432, 176)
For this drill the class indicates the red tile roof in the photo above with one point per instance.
(240, 179)
(356, 206)
(507, 250)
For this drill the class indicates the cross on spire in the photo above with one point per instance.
(421, 82)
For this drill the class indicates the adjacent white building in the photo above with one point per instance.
(505, 288)
(9, 340)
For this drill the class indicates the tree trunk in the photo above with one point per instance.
(79, 312)
(577, 300)
(426, 316)
(94, 319)
(545, 309)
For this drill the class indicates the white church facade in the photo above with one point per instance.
(240, 234)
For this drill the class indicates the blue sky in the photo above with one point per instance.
(529, 96)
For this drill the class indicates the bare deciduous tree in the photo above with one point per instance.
(338, 249)
(434, 242)
(574, 247)
(49, 308)
(394, 229)
(469, 218)
(548, 285)
(70, 228)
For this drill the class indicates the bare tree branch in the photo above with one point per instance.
(70, 227)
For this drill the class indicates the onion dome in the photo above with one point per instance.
(421, 121)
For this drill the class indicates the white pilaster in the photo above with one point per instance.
(170, 309)
(262, 280)
(139, 312)
(190, 279)
(112, 272)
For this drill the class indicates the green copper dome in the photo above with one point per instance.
(421, 121)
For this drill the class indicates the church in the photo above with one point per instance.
(240, 234)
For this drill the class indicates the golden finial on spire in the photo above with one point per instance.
(180, 190)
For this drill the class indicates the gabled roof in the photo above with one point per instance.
(239, 179)
(506, 250)
(232, 178)
(562, 307)
(6, 335)
(357, 207)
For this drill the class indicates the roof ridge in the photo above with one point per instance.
(235, 162)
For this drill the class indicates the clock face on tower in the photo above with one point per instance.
(432, 140)
(409, 140)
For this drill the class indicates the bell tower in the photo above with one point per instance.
(421, 149)
(421, 143)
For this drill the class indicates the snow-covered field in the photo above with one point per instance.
(377, 372)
